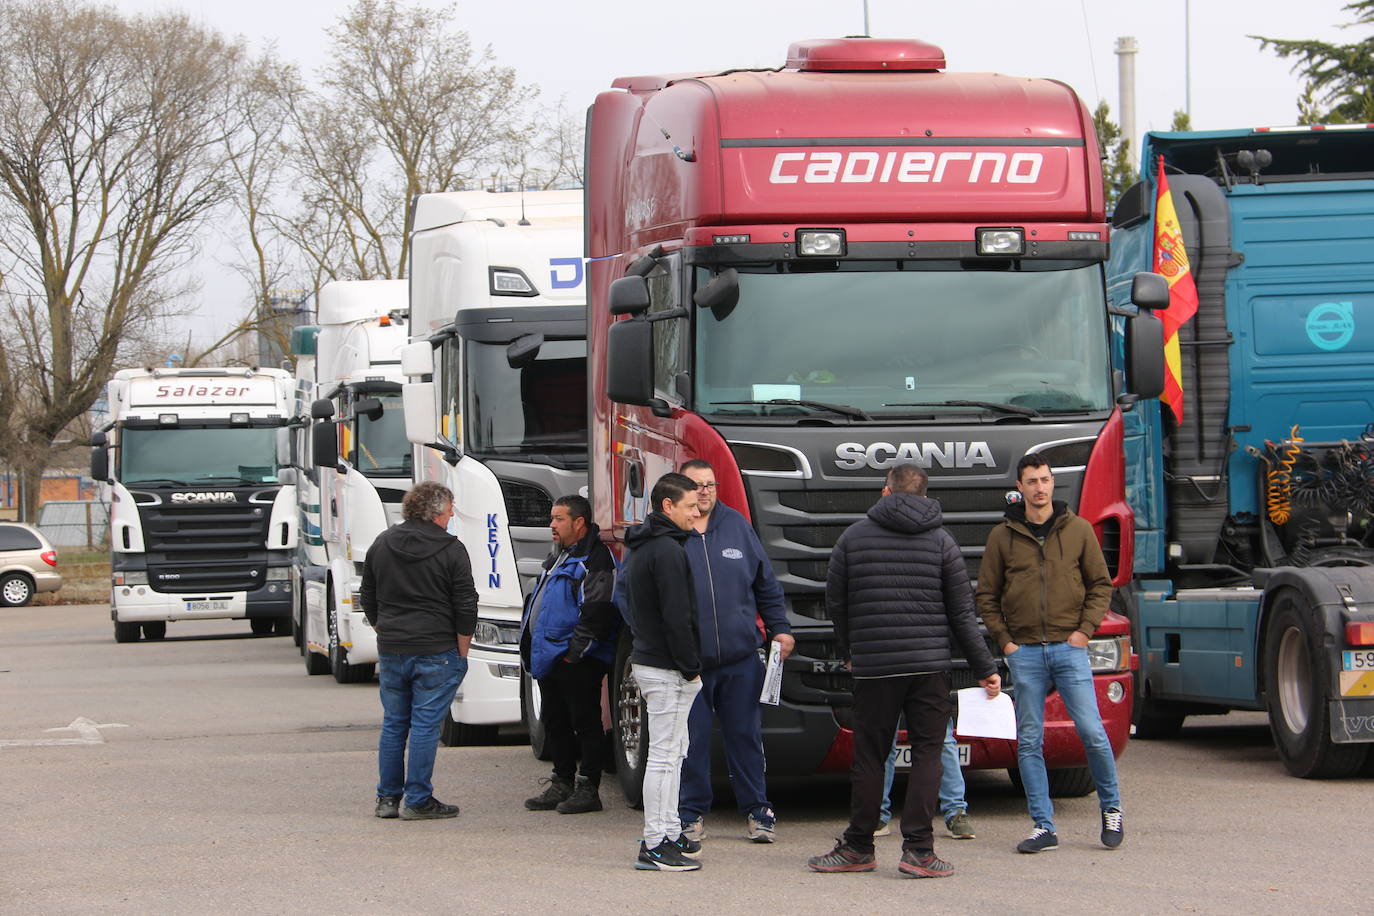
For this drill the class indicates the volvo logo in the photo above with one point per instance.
(851, 456)
(223, 496)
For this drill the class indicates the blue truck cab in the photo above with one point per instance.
(1254, 545)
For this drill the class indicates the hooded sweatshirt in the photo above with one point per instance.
(417, 590)
(735, 586)
(1029, 592)
(660, 602)
(897, 588)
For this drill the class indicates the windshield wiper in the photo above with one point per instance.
(242, 481)
(155, 481)
(1017, 409)
(843, 410)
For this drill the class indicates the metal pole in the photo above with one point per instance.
(866, 31)
(1188, 58)
(1125, 76)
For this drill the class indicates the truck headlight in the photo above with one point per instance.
(132, 577)
(1109, 654)
(278, 573)
(496, 634)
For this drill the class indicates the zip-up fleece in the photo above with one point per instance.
(569, 612)
(417, 590)
(735, 587)
(1030, 593)
(660, 602)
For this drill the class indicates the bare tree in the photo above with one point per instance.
(406, 106)
(111, 158)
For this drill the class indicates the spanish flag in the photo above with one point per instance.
(1171, 262)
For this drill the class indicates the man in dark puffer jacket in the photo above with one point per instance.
(897, 589)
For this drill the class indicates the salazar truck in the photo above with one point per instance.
(202, 525)
(808, 274)
(354, 467)
(1253, 586)
(497, 408)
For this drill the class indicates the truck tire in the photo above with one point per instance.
(315, 663)
(460, 734)
(531, 710)
(262, 626)
(155, 629)
(1069, 782)
(127, 632)
(631, 726)
(1153, 719)
(343, 672)
(1296, 670)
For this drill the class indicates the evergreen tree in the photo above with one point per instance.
(1339, 87)
(1118, 167)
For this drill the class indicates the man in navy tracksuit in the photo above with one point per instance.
(567, 642)
(734, 586)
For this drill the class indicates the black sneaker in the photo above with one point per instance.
(842, 858)
(388, 806)
(1039, 840)
(687, 845)
(664, 857)
(924, 865)
(586, 797)
(430, 809)
(1113, 832)
(556, 789)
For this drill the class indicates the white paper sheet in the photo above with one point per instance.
(981, 717)
(772, 676)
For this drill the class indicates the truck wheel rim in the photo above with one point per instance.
(628, 718)
(1294, 680)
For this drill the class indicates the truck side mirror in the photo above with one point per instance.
(324, 444)
(1149, 291)
(417, 359)
(370, 408)
(100, 462)
(323, 409)
(1145, 354)
(721, 295)
(629, 296)
(419, 402)
(524, 350)
(630, 361)
(287, 477)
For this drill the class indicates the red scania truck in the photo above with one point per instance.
(807, 274)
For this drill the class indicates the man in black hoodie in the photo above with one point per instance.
(897, 588)
(661, 608)
(418, 593)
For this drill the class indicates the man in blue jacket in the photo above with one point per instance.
(567, 643)
(735, 587)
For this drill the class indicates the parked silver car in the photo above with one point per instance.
(28, 564)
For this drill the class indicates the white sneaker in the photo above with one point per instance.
(695, 830)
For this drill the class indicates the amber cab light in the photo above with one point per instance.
(49, 557)
(1360, 633)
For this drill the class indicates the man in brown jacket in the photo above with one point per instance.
(1043, 588)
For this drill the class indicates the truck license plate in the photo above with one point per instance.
(904, 755)
(213, 605)
(1358, 660)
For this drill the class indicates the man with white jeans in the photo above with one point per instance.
(661, 608)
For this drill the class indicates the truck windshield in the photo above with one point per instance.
(381, 448)
(536, 412)
(242, 456)
(938, 336)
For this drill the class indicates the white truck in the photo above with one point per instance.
(496, 401)
(201, 524)
(354, 465)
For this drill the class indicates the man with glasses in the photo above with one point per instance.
(735, 588)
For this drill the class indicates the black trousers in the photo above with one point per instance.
(571, 695)
(878, 705)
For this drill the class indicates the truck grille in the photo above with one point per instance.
(200, 549)
(526, 505)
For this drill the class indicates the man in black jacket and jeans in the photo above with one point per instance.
(418, 593)
(897, 588)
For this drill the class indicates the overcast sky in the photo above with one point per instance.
(572, 49)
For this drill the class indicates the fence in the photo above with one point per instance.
(78, 523)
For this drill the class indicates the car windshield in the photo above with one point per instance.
(928, 340)
(238, 456)
(381, 448)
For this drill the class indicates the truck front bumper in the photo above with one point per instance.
(490, 692)
(130, 603)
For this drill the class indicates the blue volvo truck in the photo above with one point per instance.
(1254, 515)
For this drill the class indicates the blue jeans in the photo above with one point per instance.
(417, 691)
(951, 778)
(1034, 671)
